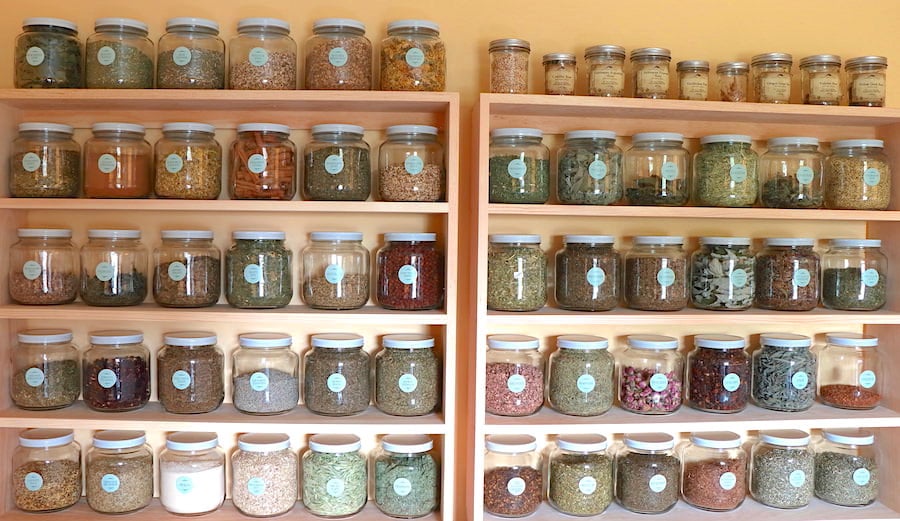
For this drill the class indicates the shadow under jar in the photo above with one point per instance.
(119, 55)
(782, 469)
(714, 471)
(514, 376)
(113, 268)
(191, 55)
(657, 170)
(784, 372)
(265, 373)
(336, 375)
(263, 162)
(43, 267)
(411, 165)
(792, 173)
(656, 274)
(589, 168)
(45, 470)
(647, 473)
(338, 56)
(723, 274)
(410, 272)
(413, 57)
(854, 275)
(718, 374)
(48, 55)
(187, 269)
(582, 379)
(119, 472)
(407, 375)
(258, 271)
(262, 56)
(117, 162)
(518, 166)
(46, 374)
(116, 371)
(650, 375)
(787, 275)
(516, 273)
(188, 162)
(850, 372)
(45, 162)
(335, 271)
(337, 164)
(513, 478)
(189, 373)
(587, 273)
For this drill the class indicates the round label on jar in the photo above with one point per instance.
(334, 164)
(334, 273)
(738, 278)
(516, 486)
(34, 56)
(336, 382)
(587, 485)
(31, 162)
(585, 383)
(413, 164)
(738, 173)
(802, 278)
(184, 484)
(335, 487)
(728, 481)
(181, 56)
(407, 383)
(259, 381)
(107, 378)
(104, 271)
(805, 175)
(516, 383)
(256, 486)
(871, 176)
(106, 55)
(669, 171)
(253, 273)
(34, 376)
(256, 163)
(659, 382)
(731, 382)
(415, 57)
(658, 483)
(402, 487)
(797, 478)
(107, 163)
(337, 57)
(596, 276)
(33, 481)
(800, 380)
(870, 277)
(177, 271)
(861, 477)
(174, 163)
(407, 274)
(517, 169)
(665, 277)
(181, 380)
(110, 483)
(597, 169)
(258, 56)
(867, 379)
(31, 270)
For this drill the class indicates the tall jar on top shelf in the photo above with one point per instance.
(857, 175)
(513, 481)
(113, 268)
(338, 56)
(411, 164)
(650, 375)
(821, 82)
(45, 370)
(606, 70)
(262, 56)
(772, 77)
(335, 271)
(191, 55)
(866, 81)
(714, 471)
(560, 73)
(514, 381)
(265, 374)
(119, 55)
(650, 72)
(337, 164)
(509, 65)
(791, 173)
(49, 55)
(657, 170)
(854, 275)
(413, 57)
(589, 168)
(43, 267)
(850, 371)
(517, 273)
(519, 166)
(45, 161)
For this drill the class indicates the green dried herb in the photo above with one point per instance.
(787, 192)
(258, 274)
(517, 278)
(581, 381)
(131, 69)
(61, 67)
(60, 386)
(353, 182)
(846, 479)
(59, 175)
(777, 380)
(334, 484)
(776, 473)
(204, 70)
(406, 485)
(656, 191)
(124, 289)
(590, 175)
(849, 289)
(532, 187)
(716, 282)
(726, 175)
(581, 484)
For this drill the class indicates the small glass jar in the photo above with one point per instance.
(258, 271)
(606, 70)
(338, 56)
(513, 483)
(113, 268)
(335, 271)
(188, 162)
(792, 173)
(192, 473)
(337, 164)
(334, 476)
(657, 170)
(847, 467)
(262, 56)
(264, 473)
(411, 165)
(336, 375)
(650, 375)
(787, 275)
(116, 371)
(587, 273)
(519, 166)
(656, 274)
(191, 55)
(589, 168)
(782, 469)
(45, 162)
(45, 370)
(850, 371)
(514, 381)
(413, 57)
(509, 65)
(784, 372)
(854, 275)
(734, 81)
(117, 162)
(265, 374)
(772, 77)
(866, 81)
(406, 476)
(821, 79)
(718, 374)
(560, 73)
(693, 79)
(581, 376)
(725, 171)
(407, 375)
(187, 268)
(517, 273)
(119, 472)
(580, 475)
(263, 162)
(43, 267)
(119, 55)
(722, 274)
(48, 55)
(190, 373)
(650, 72)
(857, 175)
(46, 470)
(647, 473)
(409, 272)
(714, 471)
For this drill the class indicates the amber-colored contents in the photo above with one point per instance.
(277, 180)
(132, 176)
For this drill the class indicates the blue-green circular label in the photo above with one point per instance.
(738, 173)
(800, 380)
(597, 169)
(413, 164)
(517, 168)
(256, 163)
(805, 175)
(106, 55)
(259, 381)
(334, 273)
(256, 486)
(34, 481)
(184, 484)
(253, 273)
(31, 162)
(337, 57)
(415, 57)
(334, 164)
(177, 271)
(336, 382)
(181, 380)
(871, 176)
(665, 277)
(738, 278)
(34, 56)
(107, 378)
(802, 278)
(34, 377)
(731, 382)
(867, 379)
(110, 483)
(659, 382)
(669, 171)
(407, 274)
(174, 163)
(258, 56)
(32, 270)
(861, 477)
(870, 277)
(181, 56)
(596, 276)
(585, 383)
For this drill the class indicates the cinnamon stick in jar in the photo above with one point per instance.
(117, 162)
(263, 162)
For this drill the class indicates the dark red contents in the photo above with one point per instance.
(849, 396)
(131, 389)
(500, 501)
(410, 276)
(709, 379)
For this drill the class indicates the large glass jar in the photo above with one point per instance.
(334, 475)
(514, 379)
(338, 56)
(854, 275)
(857, 175)
(656, 274)
(265, 374)
(517, 273)
(113, 268)
(693, 79)
(650, 375)
(263, 162)
(587, 273)
(714, 471)
(560, 73)
(117, 162)
(647, 473)
(258, 271)
(772, 77)
(407, 375)
(336, 375)
(784, 372)
(847, 467)
(189, 373)
(45, 372)
(411, 164)
(580, 475)
(650, 72)
(606, 70)
(821, 79)
(262, 56)
(337, 164)
(119, 55)
(116, 371)
(187, 269)
(734, 81)
(45, 162)
(409, 272)
(787, 275)
(413, 57)
(718, 374)
(850, 372)
(188, 162)
(509, 65)
(191, 473)
(589, 168)
(725, 171)
(119, 472)
(519, 166)
(406, 476)
(48, 55)
(335, 271)
(791, 173)
(46, 470)
(43, 267)
(723, 273)
(782, 469)
(264, 473)
(191, 55)
(866, 81)
(581, 381)
(657, 170)
(513, 483)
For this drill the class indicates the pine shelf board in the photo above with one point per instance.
(221, 205)
(690, 212)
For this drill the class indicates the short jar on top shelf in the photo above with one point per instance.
(866, 81)
(581, 378)
(509, 65)
(657, 170)
(718, 374)
(580, 475)
(791, 173)
(43, 267)
(772, 77)
(518, 166)
(782, 469)
(514, 380)
(648, 472)
(516, 273)
(656, 274)
(265, 374)
(820, 79)
(560, 73)
(693, 79)
(734, 81)
(513, 480)
(606, 70)
(857, 175)
(787, 275)
(847, 471)
(850, 372)
(650, 72)
(714, 471)
(854, 275)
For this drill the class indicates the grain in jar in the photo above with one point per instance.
(787, 275)
(560, 73)
(258, 271)
(335, 271)
(714, 471)
(409, 272)
(791, 173)
(850, 372)
(119, 472)
(857, 175)
(782, 469)
(723, 274)
(265, 375)
(589, 168)
(264, 475)
(46, 470)
(45, 161)
(517, 273)
(693, 79)
(113, 268)
(514, 376)
(191, 473)
(188, 162)
(854, 275)
(718, 374)
(587, 273)
(580, 475)
(263, 162)
(651, 372)
(337, 164)
(336, 375)
(821, 82)
(262, 56)
(513, 478)
(45, 370)
(657, 170)
(43, 267)
(407, 375)
(734, 81)
(509, 65)
(338, 56)
(413, 57)
(189, 372)
(847, 471)
(411, 164)
(606, 70)
(647, 473)
(334, 475)
(650, 72)
(116, 371)
(187, 268)
(191, 55)
(784, 372)
(656, 274)
(772, 77)
(519, 166)
(48, 55)
(726, 171)
(406, 476)
(866, 81)
(119, 55)
(117, 162)
(581, 377)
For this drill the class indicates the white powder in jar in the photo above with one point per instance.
(192, 488)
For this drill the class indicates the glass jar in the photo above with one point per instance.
(857, 175)
(409, 272)
(265, 374)
(587, 273)
(189, 373)
(191, 473)
(263, 162)
(787, 275)
(847, 467)
(334, 475)
(45, 370)
(589, 168)
(519, 166)
(46, 470)
(413, 57)
(791, 173)
(784, 372)
(191, 55)
(560, 73)
(722, 274)
(258, 271)
(264, 473)
(119, 55)
(119, 472)
(45, 162)
(657, 170)
(581, 376)
(514, 381)
(187, 268)
(854, 275)
(650, 72)
(411, 164)
(43, 267)
(656, 274)
(693, 79)
(407, 375)
(406, 476)
(650, 375)
(782, 469)
(117, 162)
(113, 268)
(337, 164)
(647, 473)
(850, 371)
(606, 70)
(336, 375)
(718, 374)
(509, 65)
(821, 79)
(580, 475)
(725, 171)
(48, 55)
(188, 162)
(866, 81)
(513, 483)
(335, 271)
(116, 371)
(772, 77)
(517, 273)
(262, 56)
(734, 81)
(338, 56)
(714, 471)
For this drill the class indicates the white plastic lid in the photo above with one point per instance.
(338, 22)
(720, 341)
(412, 23)
(410, 237)
(334, 443)
(588, 239)
(851, 339)
(784, 340)
(46, 127)
(590, 134)
(510, 443)
(716, 440)
(407, 341)
(191, 441)
(789, 241)
(725, 241)
(853, 436)
(582, 442)
(258, 235)
(189, 21)
(186, 234)
(512, 239)
(649, 441)
(45, 336)
(55, 22)
(726, 138)
(511, 342)
(247, 23)
(782, 141)
(652, 342)
(407, 443)
(188, 126)
(524, 132)
(264, 127)
(856, 143)
(412, 129)
(785, 437)
(46, 438)
(190, 338)
(50, 233)
(334, 128)
(582, 342)
(118, 127)
(120, 22)
(852, 243)
(116, 336)
(658, 239)
(119, 439)
(263, 442)
(337, 340)
(114, 234)
(263, 340)
(657, 136)
(336, 236)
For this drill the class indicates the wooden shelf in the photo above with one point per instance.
(221, 205)
(689, 212)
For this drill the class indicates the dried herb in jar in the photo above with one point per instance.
(132, 69)
(638, 477)
(275, 471)
(407, 381)
(133, 486)
(784, 379)
(190, 380)
(354, 74)
(336, 381)
(589, 176)
(846, 479)
(59, 386)
(783, 477)
(719, 380)
(61, 63)
(198, 176)
(59, 174)
(850, 289)
(568, 476)
(498, 499)
(279, 72)
(857, 183)
(506, 396)
(581, 382)
(420, 471)
(324, 472)
(60, 488)
(281, 393)
(649, 286)
(787, 192)
(423, 69)
(849, 396)
(722, 277)
(200, 287)
(517, 278)
(123, 289)
(702, 483)
(258, 275)
(787, 279)
(205, 69)
(655, 191)
(55, 287)
(130, 390)
(397, 184)
(410, 276)
(587, 277)
(533, 187)
(726, 174)
(638, 394)
(353, 182)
